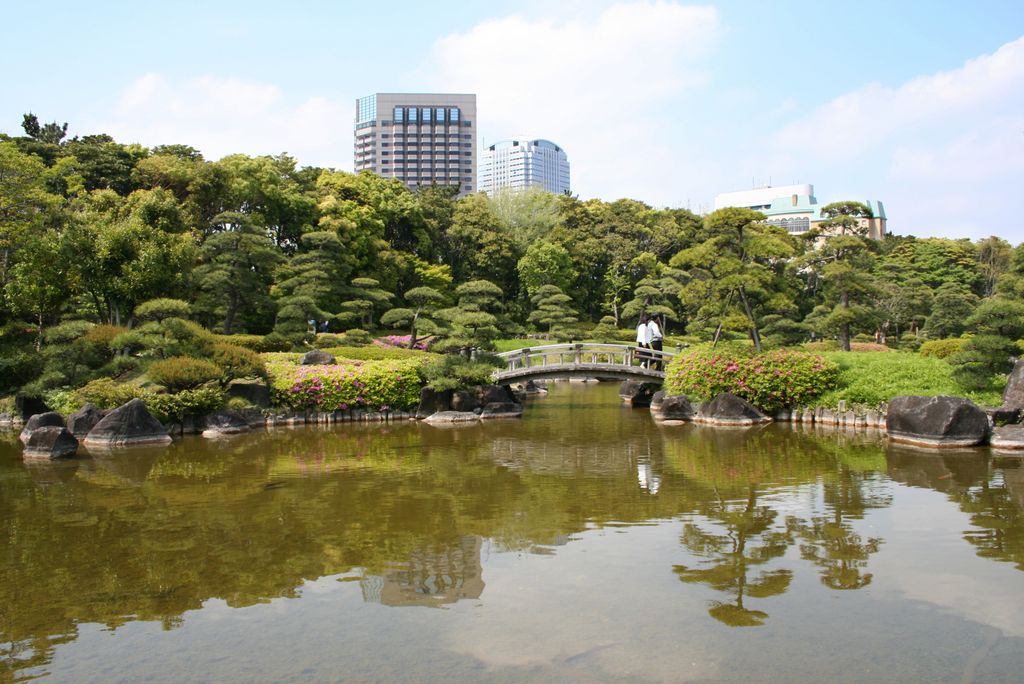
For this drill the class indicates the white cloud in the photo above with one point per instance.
(940, 150)
(221, 116)
(602, 87)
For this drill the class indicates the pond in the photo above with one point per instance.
(583, 543)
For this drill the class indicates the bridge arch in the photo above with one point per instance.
(583, 360)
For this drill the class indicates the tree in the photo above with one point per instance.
(952, 305)
(473, 322)
(26, 206)
(51, 133)
(844, 263)
(309, 284)
(426, 300)
(38, 283)
(742, 259)
(236, 268)
(545, 263)
(480, 247)
(553, 308)
(363, 297)
(994, 256)
(998, 323)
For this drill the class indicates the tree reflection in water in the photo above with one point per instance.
(749, 540)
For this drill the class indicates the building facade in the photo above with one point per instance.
(418, 138)
(795, 208)
(522, 163)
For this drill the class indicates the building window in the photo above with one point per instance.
(413, 113)
(426, 114)
(399, 115)
(453, 114)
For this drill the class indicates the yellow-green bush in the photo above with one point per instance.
(941, 349)
(183, 372)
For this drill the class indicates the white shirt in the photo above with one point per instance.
(642, 332)
(653, 331)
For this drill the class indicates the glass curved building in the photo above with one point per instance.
(521, 163)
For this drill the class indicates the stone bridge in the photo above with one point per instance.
(583, 360)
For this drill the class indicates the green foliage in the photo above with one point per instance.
(941, 349)
(183, 372)
(161, 309)
(237, 362)
(375, 352)
(104, 393)
(770, 381)
(456, 372)
(253, 342)
(377, 385)
(873, 379)
(356, 337)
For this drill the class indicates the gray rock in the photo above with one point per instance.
(636, 393)
(657, 398)
(253, 391)
(443, 417)
(674, 407)
(728, 409)
(1008, 438)
(316, 357)
(490, 394)
(502, 409)
(936, 421)
(1013, 395)
(126, 426)
(532, 387)
(432, 401)
(226, 422)
(466, 400)
(84, 419)
(40, 420)
(50, 442)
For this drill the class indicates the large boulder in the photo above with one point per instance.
(466, 400)
(1013, 395)
(936, 421)
(84, 419)
(491, 394)
(672, 407)
(253, 391)
(40, 420)
(317, 357)
(1008, 438)
(533, 387)
(50, 442)
(636, 393)
(128, 425)
(502, 409)
(728, 409)
(433, 401)
(448, 417)
(225, 422)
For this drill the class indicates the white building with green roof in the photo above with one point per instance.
(795, 208)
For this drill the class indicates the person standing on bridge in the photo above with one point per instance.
(642, 339)
(654, 341)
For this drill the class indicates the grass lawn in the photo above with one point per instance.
(872, 378)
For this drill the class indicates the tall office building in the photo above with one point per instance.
(419, 138)
(521, 163)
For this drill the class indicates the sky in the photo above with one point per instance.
(917, 104)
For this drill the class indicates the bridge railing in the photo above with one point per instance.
(583, 353)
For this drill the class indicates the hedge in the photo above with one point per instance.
(773, 380)
(349, 384)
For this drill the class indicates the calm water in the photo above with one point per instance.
(583, 543)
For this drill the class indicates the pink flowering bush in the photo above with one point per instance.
(772, 380)
(401, 341)
(349, 384)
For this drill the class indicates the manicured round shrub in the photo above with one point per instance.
(237, 362)
(183, 372)
(771, 381)
(942, 349)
